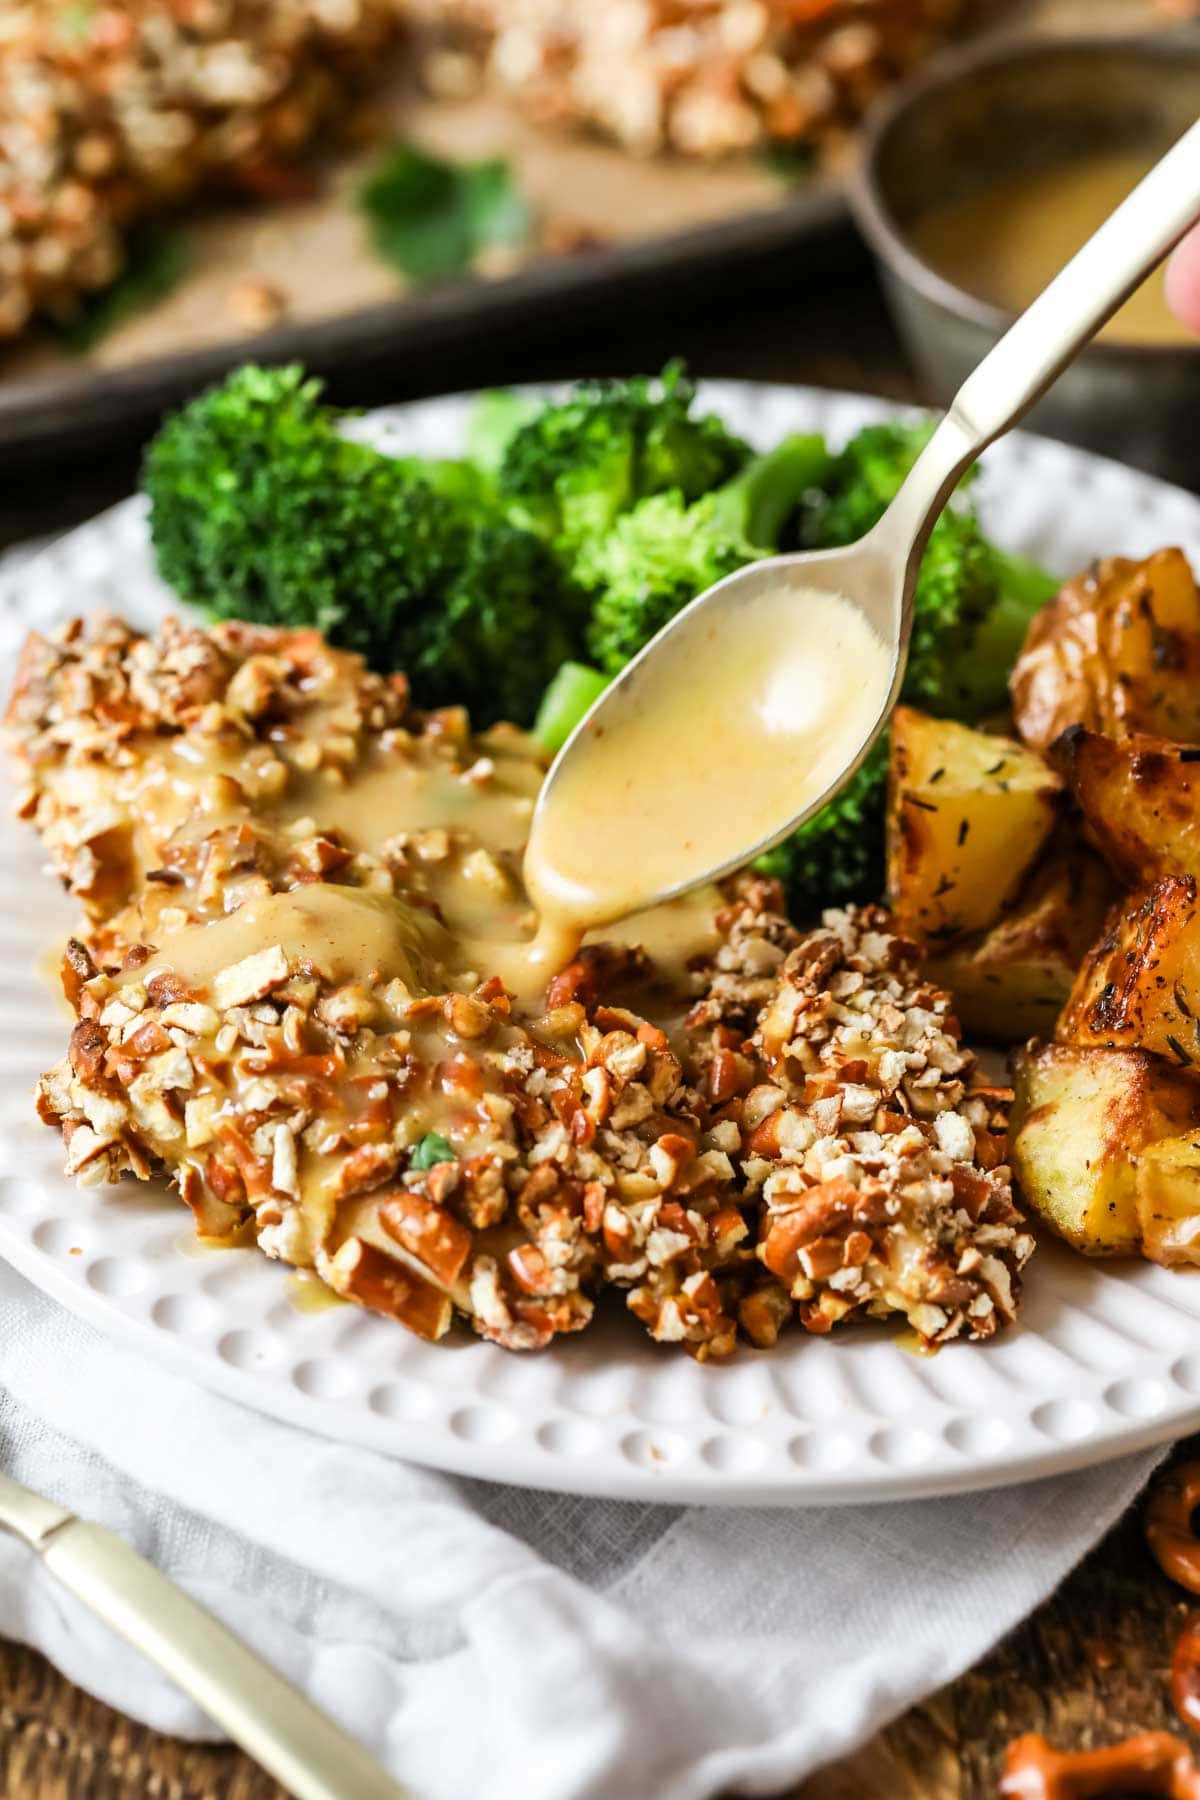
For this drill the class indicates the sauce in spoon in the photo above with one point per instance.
(775, 709)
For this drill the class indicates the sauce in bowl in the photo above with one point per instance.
(1005, 243)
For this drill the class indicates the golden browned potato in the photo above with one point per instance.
(1117, 650)
(1168, 1199)
(1010, 983)
(1139, 987)
(1080, 1121)
(1140, 796)
(968, 814)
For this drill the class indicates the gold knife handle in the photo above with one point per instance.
(27, 1515)
(271, 1720)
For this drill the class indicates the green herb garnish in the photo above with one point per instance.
(791, 162)
(431, 218)
(433, 1148)
(75, 22)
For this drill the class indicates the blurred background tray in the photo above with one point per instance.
(644, 229)
(637, 222)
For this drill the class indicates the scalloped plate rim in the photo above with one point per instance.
(748, 1459)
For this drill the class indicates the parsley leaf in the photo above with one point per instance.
(75, 22)
(433, 1148)
(432, 218)
(792, 162)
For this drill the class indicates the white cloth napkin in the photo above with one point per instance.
(526, 1646)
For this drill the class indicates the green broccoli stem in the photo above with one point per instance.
(981, 680)
(463, 481)
(757, 503)
(1023, 580)
(572, 690)
(496, 417)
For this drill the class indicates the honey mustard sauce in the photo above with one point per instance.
(1006, 243)
(343, 933)
(465, 833)
(309, 1294)
(704, 760)
(702, 753)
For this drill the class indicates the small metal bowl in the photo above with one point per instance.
(1012, 106)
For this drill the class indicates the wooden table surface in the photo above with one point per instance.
(1087, 1669)
(1091, 1665)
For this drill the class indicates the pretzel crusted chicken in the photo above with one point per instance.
(299, 993)
(110, 109)
(702, 77)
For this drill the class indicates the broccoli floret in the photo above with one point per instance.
(837, 857)
(652, 562)
(575, 467)
(972, 607)
(973, 603)
(506, 622)
(956, 586)
(261, 509)
(659, 556)
(864, 478)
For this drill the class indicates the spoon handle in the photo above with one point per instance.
(1034, 350)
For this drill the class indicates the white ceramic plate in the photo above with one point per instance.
(1106, 1358)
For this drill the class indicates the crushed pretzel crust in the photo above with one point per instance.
(882, 1176)
(276, 1004)
(110, 112)
(705, 78)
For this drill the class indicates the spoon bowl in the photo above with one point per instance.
(774, 673)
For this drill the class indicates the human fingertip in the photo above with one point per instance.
(1183, 281)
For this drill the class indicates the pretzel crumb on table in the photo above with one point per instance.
(1150, 1762)
(1153, 1762)
(1169, 1524)
(290, 880)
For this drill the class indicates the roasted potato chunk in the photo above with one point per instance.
(968, 814)
(1080, 1120)
(1139, 988)
(1117, 650)
(1168, 1199)
(1011, 983)
(1140, 796)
